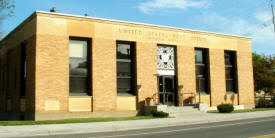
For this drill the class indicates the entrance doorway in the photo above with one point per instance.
(167, 92)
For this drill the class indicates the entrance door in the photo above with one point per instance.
(167, 93)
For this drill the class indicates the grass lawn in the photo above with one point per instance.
(83, 120)
(247, 110)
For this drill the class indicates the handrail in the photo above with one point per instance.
(188, 93)
(156, 98)
(187, 98)
(165, 97)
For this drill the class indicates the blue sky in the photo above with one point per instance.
(237, 17)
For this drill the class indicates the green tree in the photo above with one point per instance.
(264, 72)
(6, 10)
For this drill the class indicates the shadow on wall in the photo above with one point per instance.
(15, 116)
(232, 98)
(140, 107)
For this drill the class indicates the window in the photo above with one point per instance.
(230, 71)
(1, 75)
(5, 77)
(23, 70)
(15, 78)
(9, 72)
(125, 68)
(79, 80)
(201, 61)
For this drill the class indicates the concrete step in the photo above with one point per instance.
(174, 111)
(185, 114)
(181, 109)
(178, 112)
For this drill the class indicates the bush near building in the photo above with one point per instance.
(225, 108)
(261, 103)
(160, 114)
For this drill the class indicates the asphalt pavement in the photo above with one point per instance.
(203, 119)
(230, 129)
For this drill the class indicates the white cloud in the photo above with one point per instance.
(214, 18)
(260, 29)
(263, 15)
(152, 5)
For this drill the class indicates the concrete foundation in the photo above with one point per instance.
(69, 115)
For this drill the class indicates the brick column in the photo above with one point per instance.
(217, 76)
(245, 74)
(104, 87)
(186, 72)
(146, 62)
(52, 73)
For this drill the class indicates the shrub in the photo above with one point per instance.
(160, 114)
(225, 108)
(261, 103)
(273, 100)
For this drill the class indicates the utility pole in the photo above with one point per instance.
(273, 18)
(265, 24)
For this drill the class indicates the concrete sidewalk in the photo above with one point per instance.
(55, 129)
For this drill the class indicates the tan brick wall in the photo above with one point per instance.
(80, 104)
(186, 72)
(48, 60)
(232, 98)
(146, 57)
(26, 31)
(13, 89)
(126, 103)
(104, 74)
(217, 76)
(245, 73)
(52, 71)
(30, 80)
(13, 78)
(3, 92)
(23, 32)
(205, 98)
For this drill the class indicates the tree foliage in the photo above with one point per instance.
(264, 72)
(6, 10)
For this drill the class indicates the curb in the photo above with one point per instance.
(80, 128)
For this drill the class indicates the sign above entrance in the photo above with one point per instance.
(166, 72)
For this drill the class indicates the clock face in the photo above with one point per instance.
(165, 57)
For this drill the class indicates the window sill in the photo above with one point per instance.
(202, 93)
(71, 96)
(125, 95)
(79, 94)
(231, 93)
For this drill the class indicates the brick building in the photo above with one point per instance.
(57, 66)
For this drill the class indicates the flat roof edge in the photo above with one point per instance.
(19, 26)
(137, 23)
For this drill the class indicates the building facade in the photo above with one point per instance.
(56, 66)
